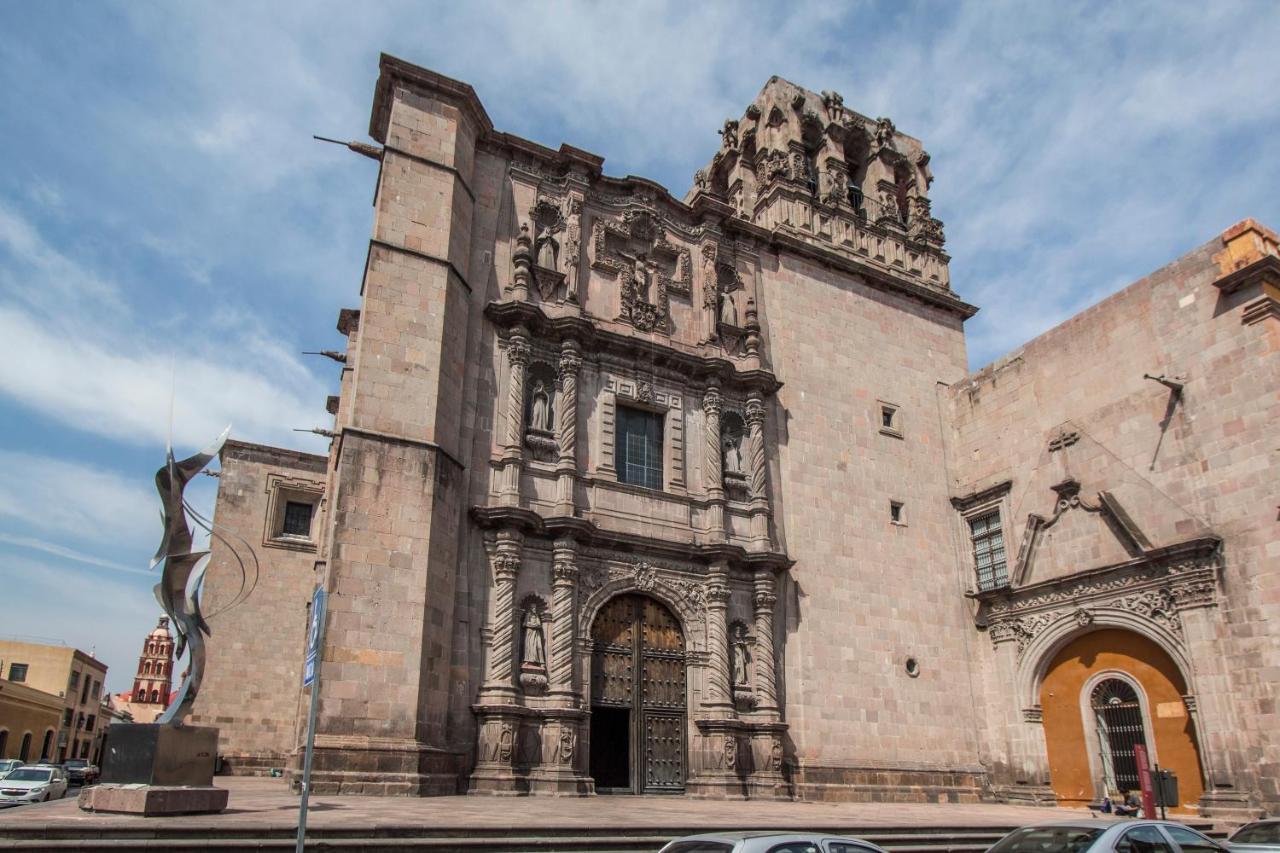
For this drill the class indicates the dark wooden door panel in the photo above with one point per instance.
(663, 752)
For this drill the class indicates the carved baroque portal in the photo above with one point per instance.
(648, 267)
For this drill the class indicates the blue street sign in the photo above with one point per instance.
(314, 637)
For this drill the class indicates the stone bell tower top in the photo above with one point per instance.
(154, 678)
(801, 161)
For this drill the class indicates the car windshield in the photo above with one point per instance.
(29, 774)
(1047, 839)
(1259, 833)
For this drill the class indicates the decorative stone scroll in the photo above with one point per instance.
(649, 268)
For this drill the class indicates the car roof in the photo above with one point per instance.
(735, 835)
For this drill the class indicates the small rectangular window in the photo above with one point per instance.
(890, 419)
(74, 684)
(896, 513)
(97, 689)
(84, 694)
(297, 519)
(67, 716)
(89, 722)
(886, 416)
(988, 550)
(17, 672)
(639, 447)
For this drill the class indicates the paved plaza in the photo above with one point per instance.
(267, 804)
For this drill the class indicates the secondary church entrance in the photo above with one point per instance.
(637, 698)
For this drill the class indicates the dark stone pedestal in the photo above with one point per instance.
(150, 769)
(151, 754)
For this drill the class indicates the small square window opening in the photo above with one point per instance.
(297, 519)
(17, 672)
(895, 512)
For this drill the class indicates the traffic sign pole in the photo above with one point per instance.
(311, 676)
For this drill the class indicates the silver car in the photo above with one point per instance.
(33, 784)
(1107, 836)
(766, 841)
(1261, 836)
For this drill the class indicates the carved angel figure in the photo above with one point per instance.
(640, 278)
(741, 657)
(540, 417)
(535, 653)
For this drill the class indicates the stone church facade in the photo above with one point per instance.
(630, 493)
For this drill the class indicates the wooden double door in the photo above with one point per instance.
(638, 714)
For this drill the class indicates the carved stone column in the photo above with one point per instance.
(712, 463)
(500, 665)
(564, 620)
(513, 449)
(522, 261)
(567, 465)
(718, 694)
(764, 600)
(757, 476)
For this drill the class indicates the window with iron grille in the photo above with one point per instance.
(988, 550)
(639, 447)
(297, 519)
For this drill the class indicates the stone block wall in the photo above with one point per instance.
(255, 653)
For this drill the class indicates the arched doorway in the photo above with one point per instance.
(637, 698)
(46, 749)
(1103, 693)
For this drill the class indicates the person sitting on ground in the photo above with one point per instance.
(1130, 807)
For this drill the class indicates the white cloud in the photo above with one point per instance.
(55, 550)
(77, 502)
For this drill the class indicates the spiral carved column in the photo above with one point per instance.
(718, 688)
(513, 449)
(500, 666)
(564, 617)
(757, 477)
(764, 599)
(567, 465)
(712, 405)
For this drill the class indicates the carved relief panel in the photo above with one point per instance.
(647, 266)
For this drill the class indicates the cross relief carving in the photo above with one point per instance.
(648, 267)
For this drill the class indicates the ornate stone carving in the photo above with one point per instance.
(883, 133)
(648, 267)
(1033, 714)
(1063, 439)
(729, 134)
(1083, 617)
(834, 103)
(572, 245)
(533, 647)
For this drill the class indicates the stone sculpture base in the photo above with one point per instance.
(151, 769)
(153, 800)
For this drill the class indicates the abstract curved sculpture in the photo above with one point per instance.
(183, 572)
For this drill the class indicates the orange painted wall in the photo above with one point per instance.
(1064, 726)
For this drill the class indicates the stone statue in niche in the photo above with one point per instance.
(572, 247)
(547, 249)
(729, 309)
(540, 416)
(740, 653)
(535, 651)
(732, 453)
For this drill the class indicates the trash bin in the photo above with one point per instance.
(1167, 789)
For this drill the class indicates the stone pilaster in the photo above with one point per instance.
(719, 695)
(757, 476)
(500, 665)
(764, 599)
(513, 449)
(564, 621)
(567, 465)
(712, 463)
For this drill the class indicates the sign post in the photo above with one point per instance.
(1144, 781)
(311, 678)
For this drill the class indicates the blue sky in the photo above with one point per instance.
(162, 204)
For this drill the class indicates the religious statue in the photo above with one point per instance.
(572, 248)
(732, 453)
(546, 249)
(535, 653)
(741, 657)
(728, 309)
(540, 417)
(640, 279)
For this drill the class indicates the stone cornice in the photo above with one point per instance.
(982, 496)
(393, 70)
(267, 454)
(588, 533)
(1265, 270)
(509, 314)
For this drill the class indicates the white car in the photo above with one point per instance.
(1256, 837)
(33, 784)
(7, 764)
(765, 841)
(1112, 836)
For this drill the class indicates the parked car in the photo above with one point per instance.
(7, 764)
(80, 772)
(1261, 836)
(769, 842)
(1107, 836)
(33, 784)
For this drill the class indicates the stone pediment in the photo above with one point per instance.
(1090, 510)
